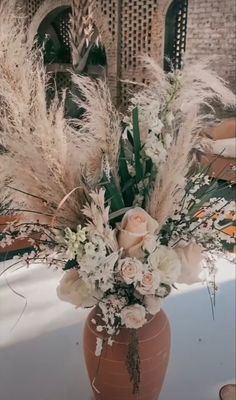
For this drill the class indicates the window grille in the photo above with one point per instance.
(31, 7)
(136, 40)
(175, 34)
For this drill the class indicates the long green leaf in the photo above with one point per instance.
(137, 146)
(113, 192)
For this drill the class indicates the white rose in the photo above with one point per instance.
(149, 283)
(191, 263)
(166, 261)
(149, 243)
(133, 317)
(130, 270)
(152, 304)
(74, 290)
(135, 226)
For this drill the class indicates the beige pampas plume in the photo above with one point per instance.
(184, 100)
(100, 125)
(41, 158)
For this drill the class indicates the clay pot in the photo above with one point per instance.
(221, 167)
(108, 373)
(17, 244)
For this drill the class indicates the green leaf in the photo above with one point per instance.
(123, 168)
(126, 181)
(118, 213)
(70, 264)
(130, 138)
(137, 146)
(114, 194)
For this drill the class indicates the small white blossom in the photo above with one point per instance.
(99, 347)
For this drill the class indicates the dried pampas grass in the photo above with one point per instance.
(41, 158)
(188, 97)
(100, 126)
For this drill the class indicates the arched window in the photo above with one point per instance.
(53, 36)
(175, 34)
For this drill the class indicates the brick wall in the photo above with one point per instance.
(211, 31)
(135, 27)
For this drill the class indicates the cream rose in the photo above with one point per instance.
(190, 258)
(152, 304)
(130, 270)
(166, 261)
(133, 317)
(135, 226)
(72, 289)
(149, 283)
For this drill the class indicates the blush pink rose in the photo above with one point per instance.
(133, 317)
(72, 289)
(130, 270)
(149, 283)
(135, 226)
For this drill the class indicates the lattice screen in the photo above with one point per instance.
(32, 6)
(108, 8)
(180, 33)
(136, 40)
(176, 29)
(61, 25)
(63, 81)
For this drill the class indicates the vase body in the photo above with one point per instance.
(108, 373)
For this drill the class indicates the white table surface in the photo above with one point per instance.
(41, 357)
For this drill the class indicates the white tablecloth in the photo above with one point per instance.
(41, 356)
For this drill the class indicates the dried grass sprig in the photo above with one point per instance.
(171, 179)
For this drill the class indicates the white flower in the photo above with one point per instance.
(191, 263)
(133, 317)
(150, 243)
(110, 341)
(74, 290)
(81, 234)
(130, 269)
(99, 346)
(152, 304)
(99, 328)
(75, 242)
(149, 282)
(166, 261)
(90, 249)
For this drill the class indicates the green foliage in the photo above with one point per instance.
(137, 147)
(70, 264)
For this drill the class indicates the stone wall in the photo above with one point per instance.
(211, 31)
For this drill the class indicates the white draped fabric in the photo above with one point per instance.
(41, 355)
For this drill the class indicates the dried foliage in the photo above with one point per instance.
(183, 101)
(41, 156)
(100, 127)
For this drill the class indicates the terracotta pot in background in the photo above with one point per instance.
(108, 373)
(18, 244)
(222, 167)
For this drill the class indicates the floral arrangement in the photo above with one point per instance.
(117, 201)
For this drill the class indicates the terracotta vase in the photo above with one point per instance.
(17, 244)
(108, 373)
